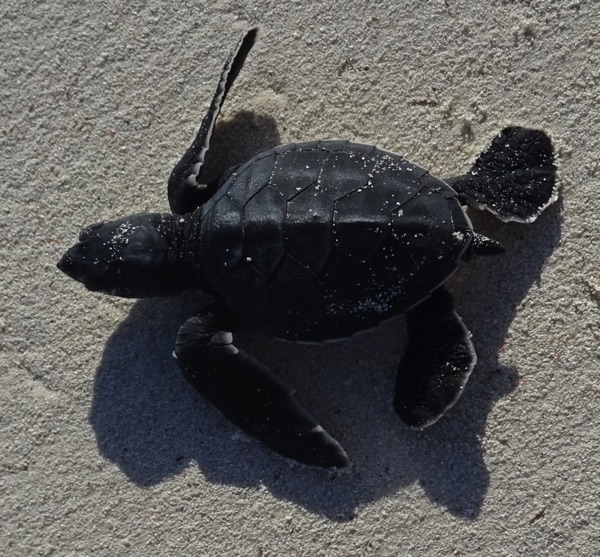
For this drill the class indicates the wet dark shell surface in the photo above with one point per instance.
(320, 240)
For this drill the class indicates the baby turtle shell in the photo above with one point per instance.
(320, 240)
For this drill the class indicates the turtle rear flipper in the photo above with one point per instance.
(250, 396)
(437, 363)
(187, 186)
(514, 178)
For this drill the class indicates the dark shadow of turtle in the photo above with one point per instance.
(152, 424)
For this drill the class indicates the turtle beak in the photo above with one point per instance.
(65, 264)
(83, 263)
(70, 263)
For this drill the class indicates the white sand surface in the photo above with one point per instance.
(105, 450)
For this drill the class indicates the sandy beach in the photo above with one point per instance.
(107, 451)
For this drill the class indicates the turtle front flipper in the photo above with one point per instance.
(250, 396)
(514, 178)
(437, 363)
(187, 187)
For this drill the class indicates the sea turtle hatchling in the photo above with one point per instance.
(312, 242)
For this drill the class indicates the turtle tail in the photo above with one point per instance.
(514, 178)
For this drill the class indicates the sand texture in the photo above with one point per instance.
(106, 450)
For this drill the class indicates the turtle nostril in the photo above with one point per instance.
(88, 230)
(65, 263)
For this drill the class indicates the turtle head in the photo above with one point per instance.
(131, 257)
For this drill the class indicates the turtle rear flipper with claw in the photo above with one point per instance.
(514, 178)
(437, 363)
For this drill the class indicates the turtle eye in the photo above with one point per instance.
(88, 231)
